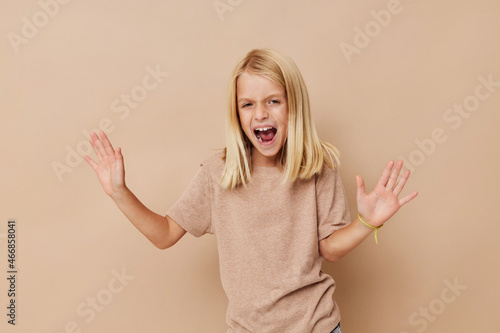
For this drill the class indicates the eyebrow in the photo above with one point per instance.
(280, 95)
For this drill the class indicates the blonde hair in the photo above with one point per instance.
(303, 154)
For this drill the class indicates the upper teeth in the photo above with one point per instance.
(263, 128)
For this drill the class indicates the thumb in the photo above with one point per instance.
(119, 160)
(361, 187)
(118, 153)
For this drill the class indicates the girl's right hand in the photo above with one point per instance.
(110, 170)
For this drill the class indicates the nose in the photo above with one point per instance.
(261, 112)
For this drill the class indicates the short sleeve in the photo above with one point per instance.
(192, 211)
(331, 200)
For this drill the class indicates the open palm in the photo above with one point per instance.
(379, 205)
(110, 169)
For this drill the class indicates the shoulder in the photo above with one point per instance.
(327, 172)
(329, 179)
(214, 165)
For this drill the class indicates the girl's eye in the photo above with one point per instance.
(274, 101)
(245, 105)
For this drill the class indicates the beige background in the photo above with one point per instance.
(64, 78)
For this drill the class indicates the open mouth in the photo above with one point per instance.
(265, 134)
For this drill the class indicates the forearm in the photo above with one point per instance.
(342, 241)
(154, 226)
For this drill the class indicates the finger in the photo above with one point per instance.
(91, 162)
(93, 141)
(395, 175)
(402, 182)
(408, 198)
(361, 187)
(100, 148)
(386, 174)
(107, 145)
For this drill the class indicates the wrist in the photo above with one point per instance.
(120, 194)
(367, 224)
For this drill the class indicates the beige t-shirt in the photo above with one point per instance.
(268, 242)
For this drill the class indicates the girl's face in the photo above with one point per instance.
(263, 111)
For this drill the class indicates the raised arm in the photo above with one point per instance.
(162, 231)
(375, 208)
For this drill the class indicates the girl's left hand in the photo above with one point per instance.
(379, 205)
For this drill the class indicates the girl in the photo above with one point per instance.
(274, 200)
